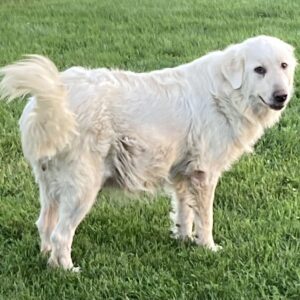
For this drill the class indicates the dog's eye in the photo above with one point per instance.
(260, 70)
(284, 65)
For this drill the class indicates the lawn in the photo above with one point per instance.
(123, 246)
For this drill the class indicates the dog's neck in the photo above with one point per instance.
(247, 122)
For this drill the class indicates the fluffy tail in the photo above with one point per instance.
(47, 124)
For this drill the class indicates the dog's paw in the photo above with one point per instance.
(45, 248)
(174, 234)
(215, 247)
(56, 261)
(208, 245)
(76, 269)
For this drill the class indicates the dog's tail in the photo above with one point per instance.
(47, 124)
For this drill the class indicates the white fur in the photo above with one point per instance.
(179, 128)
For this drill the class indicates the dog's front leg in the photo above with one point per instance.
(203, 188)
(182, 214)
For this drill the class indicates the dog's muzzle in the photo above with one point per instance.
(278, 100)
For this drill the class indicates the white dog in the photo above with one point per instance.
(179, 127)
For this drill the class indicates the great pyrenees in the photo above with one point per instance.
(179, 128)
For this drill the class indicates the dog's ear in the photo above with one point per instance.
(233, 68)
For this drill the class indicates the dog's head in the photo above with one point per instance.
(262, 68)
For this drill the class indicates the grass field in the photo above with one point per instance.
(123, 246)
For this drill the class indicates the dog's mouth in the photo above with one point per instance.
(272, 106)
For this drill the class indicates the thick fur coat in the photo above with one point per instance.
(179, 128)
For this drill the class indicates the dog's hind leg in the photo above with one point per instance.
(47, 219)
(74, 203)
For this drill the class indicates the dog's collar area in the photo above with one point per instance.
(272, 106)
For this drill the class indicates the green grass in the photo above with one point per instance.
(124, 247)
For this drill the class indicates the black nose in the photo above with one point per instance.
(280, 96)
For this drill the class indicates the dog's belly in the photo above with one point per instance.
(139, 166)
